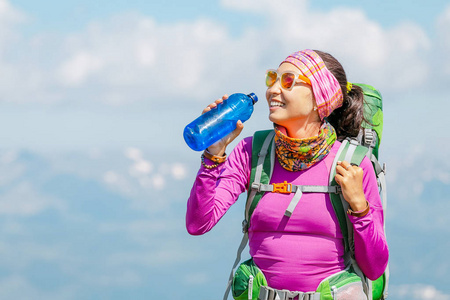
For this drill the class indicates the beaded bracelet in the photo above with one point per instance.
(214, 158)
(208, 166)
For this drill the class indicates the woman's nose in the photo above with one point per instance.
(275, 88)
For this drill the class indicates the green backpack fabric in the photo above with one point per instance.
(373, 111)
(352, 150)
(247, 281)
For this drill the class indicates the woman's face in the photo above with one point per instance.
(290, 108)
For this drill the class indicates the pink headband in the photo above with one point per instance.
(325, 86)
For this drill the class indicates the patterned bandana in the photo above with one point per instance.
(300, 154)
(326, 88)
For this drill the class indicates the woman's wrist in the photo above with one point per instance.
(215, 158)
(216, 151)
(357, 202)
(359, 212)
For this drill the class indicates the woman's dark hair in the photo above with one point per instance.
(346, 119)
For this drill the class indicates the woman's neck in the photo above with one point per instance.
(305, 130)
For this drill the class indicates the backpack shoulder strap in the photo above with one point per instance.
(352, 152)
(263, 158)
(260, 173)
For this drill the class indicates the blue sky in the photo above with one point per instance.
(94, 173)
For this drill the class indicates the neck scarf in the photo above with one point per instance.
(300, 154)
(326, 88)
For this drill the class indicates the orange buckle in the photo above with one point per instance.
(284, 187)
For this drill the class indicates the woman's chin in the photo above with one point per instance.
(274, 117)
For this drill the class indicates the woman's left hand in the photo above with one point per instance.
(350, 178)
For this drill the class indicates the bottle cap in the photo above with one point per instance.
(253, 97)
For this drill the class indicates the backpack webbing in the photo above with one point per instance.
(263, 157)
(261, 151)
(262, 167)
(354, 154)
(262, 141)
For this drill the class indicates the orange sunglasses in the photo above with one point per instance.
(287, 79)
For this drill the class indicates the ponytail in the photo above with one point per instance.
(348, 118)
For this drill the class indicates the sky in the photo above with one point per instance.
(94, 172)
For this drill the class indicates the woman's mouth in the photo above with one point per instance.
(276, 104)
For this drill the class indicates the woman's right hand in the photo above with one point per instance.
(219, 147)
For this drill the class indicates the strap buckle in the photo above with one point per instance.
(284, 187)
(369, 138)
(244, 226)
(256, 186)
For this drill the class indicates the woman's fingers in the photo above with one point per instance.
(215, 104)
(350, 178)
(219, 147)
(235, 133)
(338, 179)
(343, 166)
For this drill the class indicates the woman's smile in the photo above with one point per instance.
(275, 104)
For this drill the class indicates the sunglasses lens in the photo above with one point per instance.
(271, 78)
(287, 80)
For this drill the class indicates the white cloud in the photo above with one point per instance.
(390, 58)
(416, 167)
(122, 278)
(179, 171)
(77, 69)
(111, 177)
(133, 53)
(127, 172)
(142, 232)
(8, 157)
(443, 44)
(10, 168)
(141, 167)
(9, 16)
(411, 175)
(119, 182)
(110, 58)
(133, 153)
(24, 200)
(417, 291)
(197, 278)
(146, 182)
(146, 48)
(443, 23)
(159, 182)
(166, 252)
(19, 287)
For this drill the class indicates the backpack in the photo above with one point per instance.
(352, 150)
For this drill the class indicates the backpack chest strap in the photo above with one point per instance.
(298, 190)
(287, 188)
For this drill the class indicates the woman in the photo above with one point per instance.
(311, 106)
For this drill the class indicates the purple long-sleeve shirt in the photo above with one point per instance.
(294, 253)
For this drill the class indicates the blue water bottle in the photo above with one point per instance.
(219, 122)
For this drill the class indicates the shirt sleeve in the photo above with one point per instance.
(371, 250)
(215, 190)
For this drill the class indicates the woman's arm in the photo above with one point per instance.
(371, 250)
(215, 190)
